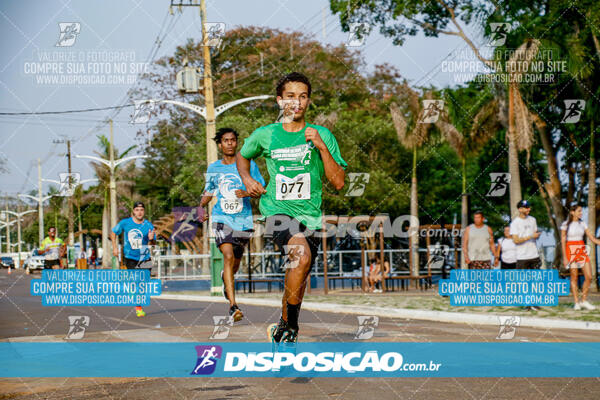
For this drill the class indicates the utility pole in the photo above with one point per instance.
(112, 184)
(40, 200)
(211, 146)
(71, 237)
(209, 113)
(40, 205)
(7, 229)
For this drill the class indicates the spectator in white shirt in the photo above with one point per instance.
(524, 233)
(575, 255)
(506, 251)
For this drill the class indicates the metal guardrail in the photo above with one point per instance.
(266, 264)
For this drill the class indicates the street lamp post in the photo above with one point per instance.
(40, 200)
(19, 215)
(6, 225)
(211, 155)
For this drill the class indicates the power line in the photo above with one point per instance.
(66, 111)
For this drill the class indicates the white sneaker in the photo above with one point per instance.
(577, 307)
(587, 305)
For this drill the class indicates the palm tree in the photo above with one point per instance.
(466, 136)
(412, 134)
(57, 205)
(103, 174)
(520, 120)
(81, 199)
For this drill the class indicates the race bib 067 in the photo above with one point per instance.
(231, 206)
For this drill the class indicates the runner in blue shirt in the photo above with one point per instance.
(139, 233)
(232, 213)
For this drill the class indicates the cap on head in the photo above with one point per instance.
(524, 203)
(138, 204)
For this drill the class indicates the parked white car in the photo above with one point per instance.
(34, 261)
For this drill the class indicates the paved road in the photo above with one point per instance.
(24, 319)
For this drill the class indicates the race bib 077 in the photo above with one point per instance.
(296, 188)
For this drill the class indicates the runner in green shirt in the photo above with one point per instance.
(53, 248)
(297, 154)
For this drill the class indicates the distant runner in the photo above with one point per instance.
(232, 214)
(139, 233)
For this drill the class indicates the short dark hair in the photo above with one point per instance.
(478, 212)
(292, 77)
(222, 131)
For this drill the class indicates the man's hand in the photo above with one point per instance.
(253, 188)
(467, 261)
(203, 217)
(151, 234)
(536, 235)
(313, 135)
(239, 193)
(116, 252)
(496, 262)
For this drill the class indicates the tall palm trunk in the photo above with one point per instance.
(592, 203)
(464, 207)
(513, 157)
(79, 227)
(414, 212)
(106, 257)
(552, 187)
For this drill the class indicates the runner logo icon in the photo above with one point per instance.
(207, 359)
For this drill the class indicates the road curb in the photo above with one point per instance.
(426, 315)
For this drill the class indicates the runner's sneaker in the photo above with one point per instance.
(585, 304)
(577, 307)
(223, 287)
(281, 332)
(139, 312)
(283, 338)
(236, 313)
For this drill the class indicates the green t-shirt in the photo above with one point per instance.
(295, 170)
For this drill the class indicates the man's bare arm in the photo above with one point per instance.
(465, 245)
(113, 238)
(206, 198)
(492, 244)
(333, 171)
(253, 187)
